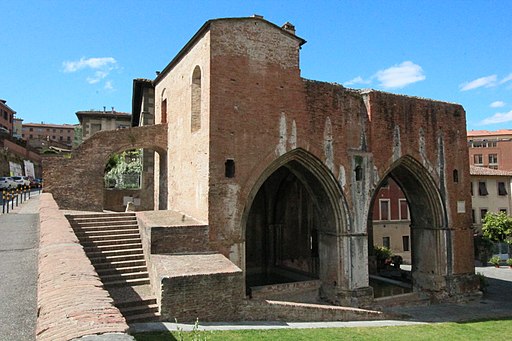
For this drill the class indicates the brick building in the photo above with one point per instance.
(6, 116)
(60, 133)
(282, 171)
(391, 220)
(491, 149)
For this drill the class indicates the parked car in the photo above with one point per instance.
(35, 183)
(21, 181)
(6, 182)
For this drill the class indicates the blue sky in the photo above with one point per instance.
(59, 57)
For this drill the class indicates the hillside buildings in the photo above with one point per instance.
(6, 117)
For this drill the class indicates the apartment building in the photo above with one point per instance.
(490, 149)
(93, 121)
(6, 117)
(61, 133)
(391, 220)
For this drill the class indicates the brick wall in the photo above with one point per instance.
(113, 199)
(207, 287)
(77, 182)
(71, 300)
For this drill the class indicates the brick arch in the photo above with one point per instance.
(331, 213)
(76, 182)
(431, 245)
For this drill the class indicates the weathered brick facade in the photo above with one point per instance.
(77, 182)
(283, 170)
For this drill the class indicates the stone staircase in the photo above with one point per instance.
(113, 244)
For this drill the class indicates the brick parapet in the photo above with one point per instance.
(71, 300)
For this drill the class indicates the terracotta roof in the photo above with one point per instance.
(49, 125)
(475, 170)
(483, 133)
(102, 113)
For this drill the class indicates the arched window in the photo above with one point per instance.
(163, 108)
(195, 118)
(455, 176)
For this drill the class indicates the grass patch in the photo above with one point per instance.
(477, 330)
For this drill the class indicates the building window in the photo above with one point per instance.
(31, 129)
(229, 168)
(482, 188)
(493, 159)
(471, 188)
(95, 127)
(384, 213)
(163, 112)
(483, 212)
(386, 242)
(502, 190)
(359, 173)
(455, 176)
(195, 118)
(473, 219)
(406, 243)
(503, 210)
(478, 159)
(404, 209)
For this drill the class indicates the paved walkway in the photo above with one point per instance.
(19, 233)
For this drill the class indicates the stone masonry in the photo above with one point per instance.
(283, 170)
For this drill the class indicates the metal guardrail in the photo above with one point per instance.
(17, 196)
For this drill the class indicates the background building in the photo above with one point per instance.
(63, 134)
(391, 220)
(491, 149)
(490, 192)
(6, 116)
(94, 121)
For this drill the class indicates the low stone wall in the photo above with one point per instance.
(169, 232)
(266, 310)
(71, 300)
(207, 287)
(113, 199)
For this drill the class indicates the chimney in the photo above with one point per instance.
(257, 16)
(104, 109)
(288, 27)
(112, 110)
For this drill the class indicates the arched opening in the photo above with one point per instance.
(163, 108)
(292, 224)
(195, 118)
(407, 247)
(130, 178)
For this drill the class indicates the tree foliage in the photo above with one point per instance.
(497, 227)
(123, 170)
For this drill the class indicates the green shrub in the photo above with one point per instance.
(495, 260)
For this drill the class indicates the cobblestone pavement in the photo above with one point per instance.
(19, 233)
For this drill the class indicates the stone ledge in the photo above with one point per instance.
(71, 300)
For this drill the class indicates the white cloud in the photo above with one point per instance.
(506, 79)
(92, 63)
(101, 68)
(498, 118)
(487, 82)
(358, 80)
(497, 104)
(400, 75)
(108, 85)
(98, 76)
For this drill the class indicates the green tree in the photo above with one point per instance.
(497, 227)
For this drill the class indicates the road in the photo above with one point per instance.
(19, 234)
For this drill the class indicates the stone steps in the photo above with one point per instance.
(113, 244)
(112, 247)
